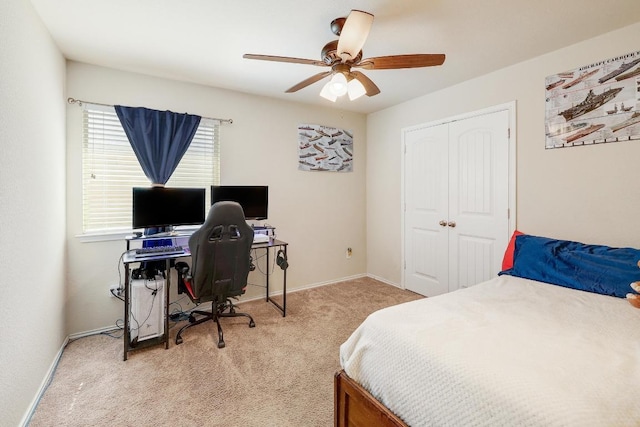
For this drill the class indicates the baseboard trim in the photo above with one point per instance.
(388, 282)
(26, 419)
(309, 286)
(75, 336)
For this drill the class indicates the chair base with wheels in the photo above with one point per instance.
(218, 310)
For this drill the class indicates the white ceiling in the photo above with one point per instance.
(202, 41)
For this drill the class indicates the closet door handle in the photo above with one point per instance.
(443, 223)
(451, 224)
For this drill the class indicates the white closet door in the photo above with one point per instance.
(456, 193)
(426, 200)
(478, 198)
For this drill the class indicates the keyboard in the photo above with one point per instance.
(260, 238)
(159, 250)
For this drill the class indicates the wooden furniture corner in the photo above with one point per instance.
(356, 407)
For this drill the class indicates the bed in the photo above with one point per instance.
(509, 351)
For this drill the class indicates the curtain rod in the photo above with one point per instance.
(80, 102)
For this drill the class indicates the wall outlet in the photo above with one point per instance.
(349, 253)
(116, 290)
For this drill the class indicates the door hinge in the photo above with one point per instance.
(508, 132)
(508, 213)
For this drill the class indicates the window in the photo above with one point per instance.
(110, 169)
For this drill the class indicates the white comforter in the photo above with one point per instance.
(507, 352)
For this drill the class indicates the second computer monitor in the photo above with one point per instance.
(254, 199)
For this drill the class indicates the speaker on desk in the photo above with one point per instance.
(281, 260)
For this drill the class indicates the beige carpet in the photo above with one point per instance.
(279, 373)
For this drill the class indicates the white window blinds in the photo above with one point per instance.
(110, 169)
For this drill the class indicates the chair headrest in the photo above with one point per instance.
(225, 213)
(225, 221)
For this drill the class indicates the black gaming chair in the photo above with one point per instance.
(220, 255)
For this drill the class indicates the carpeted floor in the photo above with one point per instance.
(279, 373)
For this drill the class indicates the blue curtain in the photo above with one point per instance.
(158, 138)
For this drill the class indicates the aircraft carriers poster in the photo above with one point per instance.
(322, 148)
(594, 104)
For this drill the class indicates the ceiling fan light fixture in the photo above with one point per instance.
(327, 94)
(355, 89)
(338, 84)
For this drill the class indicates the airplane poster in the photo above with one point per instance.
(594, 104)
(322, 148)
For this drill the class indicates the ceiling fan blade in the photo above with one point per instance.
(308, 81)
(354, 33)
(401, 61)
(369, 85)
(284, 59)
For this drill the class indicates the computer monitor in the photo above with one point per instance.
(161, 207)
(254, 199)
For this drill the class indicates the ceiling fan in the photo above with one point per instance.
(346, 53)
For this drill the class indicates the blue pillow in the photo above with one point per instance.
(593, 268)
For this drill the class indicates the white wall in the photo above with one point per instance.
(590, 193)
(32, 206)
(320, 214)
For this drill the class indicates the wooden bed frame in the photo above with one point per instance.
(356, 407)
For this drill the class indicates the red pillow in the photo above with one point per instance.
(507, 260)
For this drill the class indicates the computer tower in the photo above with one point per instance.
(146, 318)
